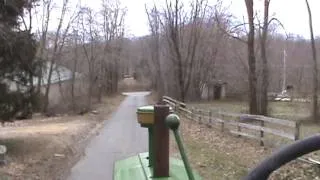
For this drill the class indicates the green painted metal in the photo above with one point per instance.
(140, 167)
(146, 109)
(128, 169)
(137, 168)
(149, 109)
(151, 154)
(145, 125)
(183, 155)
(173, 122)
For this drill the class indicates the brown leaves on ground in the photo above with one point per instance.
(48, 148)
(217, 155)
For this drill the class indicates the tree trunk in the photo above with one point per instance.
(46, 96)
(90, 88)
(32, 99)
(43, 41)
(116, 70)
(315, 112)
(181, 81)
(74, 70)
(159, 79)
(110, 79)
(55, 53)
(40, 75)
(265, 71)
(252, 77)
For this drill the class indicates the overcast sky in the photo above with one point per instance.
(292, 14)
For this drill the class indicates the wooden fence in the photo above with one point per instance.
(250, 126)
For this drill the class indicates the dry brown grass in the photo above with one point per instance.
(33, 145)
(295, 111)
(222, 156)
(218, 156)
(284, 110)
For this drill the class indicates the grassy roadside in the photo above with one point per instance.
(282, 110)
(217, 155)
(295, 111)
(47, 148)
(221, 156)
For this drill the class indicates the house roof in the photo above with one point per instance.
(59, 73)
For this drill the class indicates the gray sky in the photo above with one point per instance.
(292, 14)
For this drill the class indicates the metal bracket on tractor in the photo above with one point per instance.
(156, 164)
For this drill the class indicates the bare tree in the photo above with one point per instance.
(89, 41)
(263, 33)
(315, 112)
(252, 77)
(182, 34)
(58, 44)
(113, 31)
(154, 25)
(74, 68)
(236, 33)
(47, 7)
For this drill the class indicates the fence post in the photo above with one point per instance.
(239, 128)
(175, 107)
(210, 118)
(200, 118)
(192, 114)
(297, 131)
(222, 122)
(261, 133)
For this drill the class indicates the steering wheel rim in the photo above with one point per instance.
(283, 156)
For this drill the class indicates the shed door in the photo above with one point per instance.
(217, 92)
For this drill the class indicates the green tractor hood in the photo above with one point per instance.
(136, 168)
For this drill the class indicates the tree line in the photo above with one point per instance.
(79, 59)
(190, 46)
(199, 43)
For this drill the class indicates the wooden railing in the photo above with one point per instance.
(247, 125)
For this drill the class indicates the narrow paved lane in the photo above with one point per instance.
(120, 138)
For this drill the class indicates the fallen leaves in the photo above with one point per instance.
(217, 155)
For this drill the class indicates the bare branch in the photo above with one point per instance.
(230, 33)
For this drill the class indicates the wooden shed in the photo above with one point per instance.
(214, 90)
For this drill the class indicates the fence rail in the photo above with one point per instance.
(256, 125)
